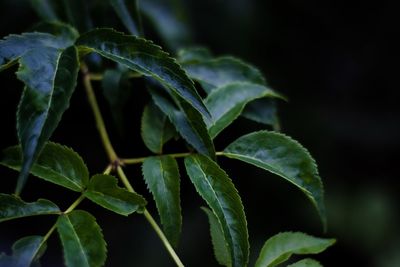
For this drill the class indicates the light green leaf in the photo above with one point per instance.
(161, 175)
(217, 189)
(194, 55)
(156, 129)
(306, 263)
(221, 251)
(144, 57)
(12, 207)
(227, 102)
(26, 251)
(56, 164)
(280, 247)
(217, 72)
(104, 191)
(187, 121)
(82, 240)
(283, 156)
(44, 9)
(124, 13)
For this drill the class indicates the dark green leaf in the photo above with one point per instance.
(26, 251)
(44, 9)
(78, 14)
(60, 29)
(306, 263)
(117, 90)
(162, 178)
(124, 13)
(263, 111)
(170, 24)
(188, 122)
(217, 72)
(82, 240)
(193, 55)
(104, 191)
(221, 251)
(156, 129)
(283, 156)
(12, 207)
(280, 247)
(50, 79)
(144, 57)
(217, 189)
(227, 102)
(56, 163)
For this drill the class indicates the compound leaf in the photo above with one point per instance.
(161, 175)
(280, 247)
(217, 189)
(283, 156)
(82, 239)
(12, 207)
(26, 251)
(56, 164)
(104, 191)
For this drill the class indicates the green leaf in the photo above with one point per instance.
(44, 9)
(227, 102)
(194, 55)
(82, 240)
(156, 129)
(144, 57)
(168, 23)
(124, 13)
(12, 207)
(217, 189)
(263, 111)
(161, 175)
(26, 251)
(59, 29)
(104, 191)
(283, 156)
(44, 100)
(280, 247)
(217, 238)
(217, 72)
(56, 164)
(78, 14)
(187, 121)
(306, 263)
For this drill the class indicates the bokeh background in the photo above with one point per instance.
(335, 61)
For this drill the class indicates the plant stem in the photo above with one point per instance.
(174, 155)
(97, 115)
(75, 204)
(114, 159)
(100, 76)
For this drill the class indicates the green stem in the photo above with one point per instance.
(100, 76)
(174, 155)
(75, 204)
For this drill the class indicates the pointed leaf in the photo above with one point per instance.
(156, 129)
(283, 156)
(263, 111)
(144, 57)
(161, 175)
(123, 12)
(217, 189)
(82, 240)
(193, 55)
(45, 98)
(306, 263)
(12, 207)
(227, 102)
(280, 247)
(56, 164)
(104, 191)
(187, 121)
(26, 251)
(221, 251)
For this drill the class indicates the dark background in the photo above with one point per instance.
(337, 63)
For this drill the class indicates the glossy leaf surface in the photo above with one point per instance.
(56, 164)
(221, 251)
(25, 252)
(156, 129)
(162, 178)
(280, 247)
(217, 189)
(104, 191)
(283, 156)
(82, 240)
(12, 207)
